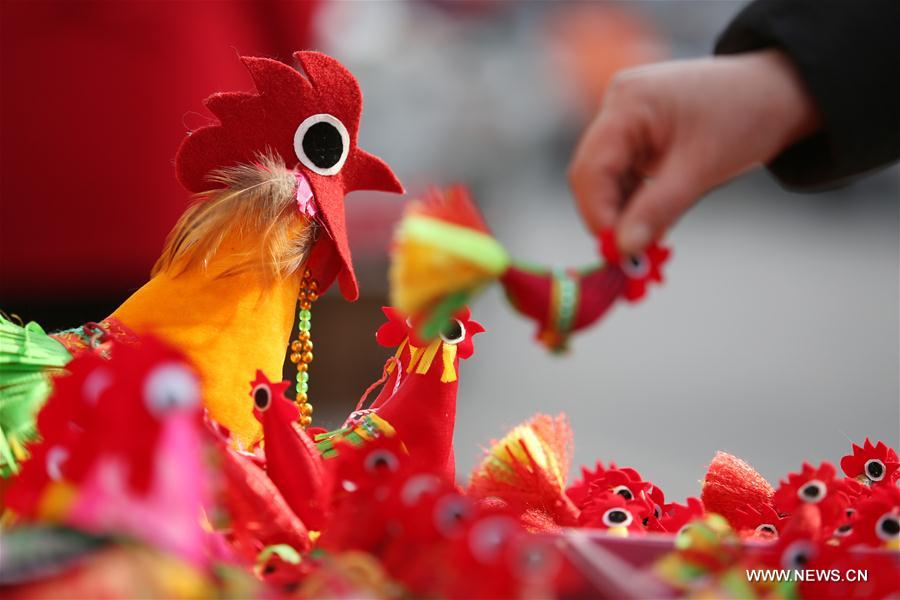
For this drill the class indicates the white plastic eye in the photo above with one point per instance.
(381, 460)
(171, 387)
(322, 144)
(617, 517)
(536, 559)
(450, 513)
(623, 491)
(798, 555)
(813, 491)
(454, 332)
(487, 537)
(843, 530)
(417, 486)
(636, 266)
(888, 527)
(874, 469)
(767, 528)
(56, 456)
(95, 384)
(262, 397)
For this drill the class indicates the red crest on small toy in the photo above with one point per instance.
(817, 486)
(610, 510)
(872, 464)
(639, 270)
(275, 118)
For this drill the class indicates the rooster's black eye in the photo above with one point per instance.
(875, 469)
(813, 491)
(617, 517)
(623, 491)
(454, 332)
(322, 143)
(262, 397)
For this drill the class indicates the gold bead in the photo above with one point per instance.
(302, 336)
(303, 296)
(301, 366)
(302, 397)
(313, 285)
(305, 304)
(307, 345)
(306, 409)
(307, 357)
(297, 345)
(307, 274)
(296, 357)
(306, 421)
(313, 296)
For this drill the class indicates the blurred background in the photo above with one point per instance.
(775, 338)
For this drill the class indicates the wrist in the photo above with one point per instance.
(787, 101)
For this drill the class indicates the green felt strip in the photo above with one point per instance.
(474, 246)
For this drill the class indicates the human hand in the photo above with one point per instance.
(668, 133)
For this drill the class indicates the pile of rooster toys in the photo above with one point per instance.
(133, 492)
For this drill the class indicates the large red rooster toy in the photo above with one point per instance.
(265, 237)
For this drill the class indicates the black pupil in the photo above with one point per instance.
(625, 494)
(453, 330)
(323, 145)
(890, 526)
(768, 529)
(261, 397)
(811, 491)
(875, 469)
(380, 462)
(636, 261)
(618, 516)
(844, 528)
(801, 559)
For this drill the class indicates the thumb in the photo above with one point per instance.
(655, 206)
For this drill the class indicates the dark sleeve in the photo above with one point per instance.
(847, 52)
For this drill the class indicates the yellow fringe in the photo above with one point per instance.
(428, 357)
(448, 375)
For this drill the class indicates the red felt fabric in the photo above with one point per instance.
(250, 124)
(96, 98)
(530, 291)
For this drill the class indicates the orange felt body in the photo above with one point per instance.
(229, 327)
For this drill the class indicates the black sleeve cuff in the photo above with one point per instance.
(848, 55)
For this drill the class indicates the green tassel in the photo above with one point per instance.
(27, 356)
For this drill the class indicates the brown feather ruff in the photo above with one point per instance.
(255, 205)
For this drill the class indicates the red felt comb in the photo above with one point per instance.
(278, 118)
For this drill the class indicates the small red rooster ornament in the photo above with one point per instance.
(293, 462)
(875, 465)
(444, 253)
(419, 397)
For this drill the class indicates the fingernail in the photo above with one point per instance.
(634, 238)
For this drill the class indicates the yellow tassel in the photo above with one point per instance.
(449, 355)
(414, 355)
(428, 357)
(433, 258)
